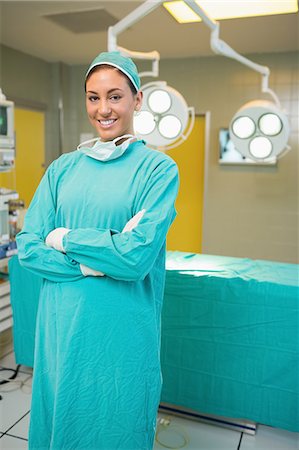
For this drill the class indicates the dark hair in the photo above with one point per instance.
(107, 66)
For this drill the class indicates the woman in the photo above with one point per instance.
(97, 374)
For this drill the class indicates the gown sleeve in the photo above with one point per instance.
(39, 221)
(130, 256)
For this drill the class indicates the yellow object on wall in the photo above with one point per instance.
(30, 154)
(186, 232)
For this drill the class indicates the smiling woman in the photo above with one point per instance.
(95, 232)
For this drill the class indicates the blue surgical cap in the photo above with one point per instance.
(122, 63)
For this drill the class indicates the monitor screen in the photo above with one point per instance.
(3, 121)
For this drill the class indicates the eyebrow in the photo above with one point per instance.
(109, 92)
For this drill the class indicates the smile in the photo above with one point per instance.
(107, 123)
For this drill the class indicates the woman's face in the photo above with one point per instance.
(110, 103)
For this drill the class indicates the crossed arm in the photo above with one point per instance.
(55, 240)
(127, 255)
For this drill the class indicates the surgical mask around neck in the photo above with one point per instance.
(106, 151)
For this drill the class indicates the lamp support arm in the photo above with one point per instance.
(220, 47)
(141, 11)
(2, 96)
(133, 17)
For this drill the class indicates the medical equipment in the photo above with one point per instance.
(7, 158)
(6, 245)
(7, 136)
(263, 145)
(7, 248)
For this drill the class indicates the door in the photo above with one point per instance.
(186, 232)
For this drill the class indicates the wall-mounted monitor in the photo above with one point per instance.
(229, 155)
(7, 134)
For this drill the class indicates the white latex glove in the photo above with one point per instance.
(130, 225)
(54, 238)
(87, 271)
(134, 221)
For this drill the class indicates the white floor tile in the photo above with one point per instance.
(15, 401)
(12, 443)
(195, 435)
(270, 438)
(21, 428)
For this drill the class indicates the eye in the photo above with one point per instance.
(115, 97)
(93, 98)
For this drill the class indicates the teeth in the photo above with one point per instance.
(106, 122)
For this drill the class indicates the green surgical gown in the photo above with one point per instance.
(97, 377)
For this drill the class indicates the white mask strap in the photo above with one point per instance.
(83, 144)
(125, 136)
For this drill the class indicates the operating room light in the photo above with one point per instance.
(270, 124)
(230, 9)
(165, 119)
(264, 134)
(243, 127)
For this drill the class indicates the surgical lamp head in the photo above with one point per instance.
(260, 130)
(163, 118)
(122, 63)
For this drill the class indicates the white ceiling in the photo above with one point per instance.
(23, 26)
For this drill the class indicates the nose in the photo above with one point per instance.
(104, 108)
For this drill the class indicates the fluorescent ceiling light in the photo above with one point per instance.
(230, 9)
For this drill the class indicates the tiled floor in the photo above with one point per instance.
(180, 433)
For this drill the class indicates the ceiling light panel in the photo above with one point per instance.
(230, 9)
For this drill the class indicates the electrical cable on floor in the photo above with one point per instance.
(240, 441)
(14, 375)
(12, 382)
(165, 424)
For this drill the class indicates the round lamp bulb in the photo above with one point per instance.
(144, 123)
(159, 101)
(270, 124)
(170, 126)
(260, 147)
(243, 127)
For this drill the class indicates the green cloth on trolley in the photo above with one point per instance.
(230, 338)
